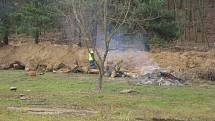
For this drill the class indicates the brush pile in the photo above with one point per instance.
(158, 77)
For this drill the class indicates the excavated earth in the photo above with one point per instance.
(44, 53)
(187, 65)
(190, 65)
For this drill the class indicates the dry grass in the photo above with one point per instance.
(43, 53)
(193, 64)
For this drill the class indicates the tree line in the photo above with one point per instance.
(165, 20)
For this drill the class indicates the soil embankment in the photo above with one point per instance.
(44, 53)
(193, 64)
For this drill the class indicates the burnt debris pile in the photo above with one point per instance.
(158, 77)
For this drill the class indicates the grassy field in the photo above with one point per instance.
(75, 91)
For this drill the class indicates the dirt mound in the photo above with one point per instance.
(53, 55)
(193, 64)
(44, 53)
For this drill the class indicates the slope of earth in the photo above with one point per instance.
(43, 53)
(22, 49)
(193, 64)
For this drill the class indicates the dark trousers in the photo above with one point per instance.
(92, 64)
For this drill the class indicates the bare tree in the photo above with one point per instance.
(100, 12)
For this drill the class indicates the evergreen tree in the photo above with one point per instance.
(35, 17)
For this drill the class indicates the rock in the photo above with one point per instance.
(76, 69)
(23, 98)
(17, 65)
(61, 68)
(128, 91)
(4, 66)
(58, 66)
(64, 70)
(54, 71)
(41, 69)
(93, 71)
(21, 95)
(113, 74)
(118, 74)
(27, 69)
(13, 88)
(123, 75)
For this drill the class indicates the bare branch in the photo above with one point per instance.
(119, 26)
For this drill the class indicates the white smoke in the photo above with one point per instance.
(138, 62)
(132, 50)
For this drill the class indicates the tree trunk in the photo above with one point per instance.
(36, 39)
(181, 4)
(212, 3)
(168, 4)
(100, 81)
(5, 39)
(175, 9)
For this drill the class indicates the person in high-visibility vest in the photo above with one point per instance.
(91, 59)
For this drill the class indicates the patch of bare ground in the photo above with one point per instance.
(53, 111)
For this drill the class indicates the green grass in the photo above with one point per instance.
(76, 91)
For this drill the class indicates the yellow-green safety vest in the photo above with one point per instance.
(91, 56)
